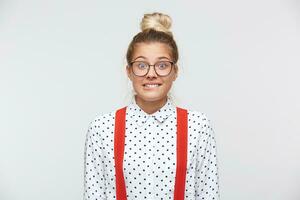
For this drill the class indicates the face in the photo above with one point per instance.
(152, 53)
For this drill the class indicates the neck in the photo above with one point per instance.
(150, 106)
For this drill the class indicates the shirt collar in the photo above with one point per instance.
(140, 116)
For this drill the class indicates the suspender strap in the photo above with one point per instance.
(119, 142)
(181, 153)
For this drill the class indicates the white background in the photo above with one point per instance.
(63, 62)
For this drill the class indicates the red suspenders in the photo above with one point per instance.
(181, 153)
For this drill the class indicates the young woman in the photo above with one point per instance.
(151, 149)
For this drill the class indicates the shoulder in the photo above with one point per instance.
(199, 120)
(196, 116)
(105, 119)
(102, 118)
(101, 123)
(200, 125)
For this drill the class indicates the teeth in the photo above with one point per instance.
(151, 85)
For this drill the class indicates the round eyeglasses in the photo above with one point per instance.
(162, 68)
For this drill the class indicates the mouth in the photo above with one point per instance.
(152, 85)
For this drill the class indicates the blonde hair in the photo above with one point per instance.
(155, 27)
(157, 21)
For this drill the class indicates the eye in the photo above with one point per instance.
(163, 65)
(141, 65)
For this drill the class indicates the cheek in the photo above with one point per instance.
(168, 84)
(136, 83)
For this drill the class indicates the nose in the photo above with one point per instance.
(151, 72)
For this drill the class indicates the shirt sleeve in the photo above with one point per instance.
(94, 179)
(207, 177)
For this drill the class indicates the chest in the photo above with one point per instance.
(150, 147)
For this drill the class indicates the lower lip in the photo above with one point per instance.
(151, 88)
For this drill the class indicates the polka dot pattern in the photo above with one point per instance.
(150, 156)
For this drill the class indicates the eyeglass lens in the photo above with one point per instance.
(141, 68)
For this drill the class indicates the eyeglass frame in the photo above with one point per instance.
(148, 64)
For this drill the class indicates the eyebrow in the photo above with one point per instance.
(161, 57)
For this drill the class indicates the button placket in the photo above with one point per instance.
(150, 154)
(154, 153)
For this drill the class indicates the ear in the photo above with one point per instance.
(176, 72)
(128, 71)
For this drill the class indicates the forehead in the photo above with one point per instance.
(151, 51)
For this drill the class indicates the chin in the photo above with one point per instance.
(151, 97)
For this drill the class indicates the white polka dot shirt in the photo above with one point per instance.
(150, 156)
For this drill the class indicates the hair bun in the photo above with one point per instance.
(157, 21)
